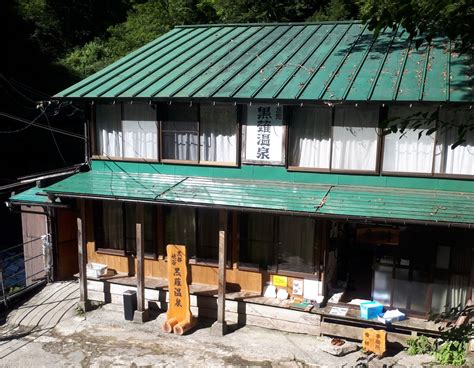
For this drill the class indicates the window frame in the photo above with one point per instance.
(99, 248)
(294, 168)
(276, 243)
(161, 118)
(195, 260)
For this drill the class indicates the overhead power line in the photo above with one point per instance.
(35, 124)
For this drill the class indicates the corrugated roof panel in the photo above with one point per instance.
(218, 41)
(303, 41)
(296, 62)
(370, 68)
(31, 195)
(344, 78)
(241, 63)
(461, 77)
(392, 69)
(419, 205)
(322, 79)
(436, 72)
(182, 80)
(341, 200)
(197, 190)
(284, 62)
(172, 60)
(232, 54)
(266, 59)
(413, 75)
(152, 51)
(124, 83)
(305, 72)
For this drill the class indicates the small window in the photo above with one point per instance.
(133, 135)
(355, 139)
(218, 139)
(310, 137)
(460, 160)
(197, 229)
(409, 151)
(109, 131)
(115, 227)
(296, 244)
(278, 243)
(180, 133)
(140, 131)
(258, 245)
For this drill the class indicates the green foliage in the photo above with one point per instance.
(419, 345)
(57, 25)
(336, 10)
(424, 19)
(451, 352)
(145, 22)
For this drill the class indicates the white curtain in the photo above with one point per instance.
(180, 140)
(140, 132)
(109, 132)
(408, 152)
(355, 136)
(218, 141)
(310, 133)
(459, 160)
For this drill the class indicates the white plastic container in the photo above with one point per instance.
(95, 270)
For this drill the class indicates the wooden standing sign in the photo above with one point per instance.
(374, 341)
(178, 318)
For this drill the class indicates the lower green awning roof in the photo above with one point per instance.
(403, 205)
(32, 196)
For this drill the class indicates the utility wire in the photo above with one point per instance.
(29, 123)
(54, 137)
(35, 124)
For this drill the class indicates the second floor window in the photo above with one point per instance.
(131, 133)
(348, 143)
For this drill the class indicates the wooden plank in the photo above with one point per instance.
(221, 285)
(355, 333)
(82, 252)
(34, 225)
(140, 234)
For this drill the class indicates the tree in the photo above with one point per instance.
(424, 19)
(145, 22)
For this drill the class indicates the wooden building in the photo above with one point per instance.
(260, 148)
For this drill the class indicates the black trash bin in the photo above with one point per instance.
(129, 304)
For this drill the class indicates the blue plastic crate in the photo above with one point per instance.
(369, 310)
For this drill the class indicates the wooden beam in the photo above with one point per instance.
(219, 327)
(82, 253)
(141, 314)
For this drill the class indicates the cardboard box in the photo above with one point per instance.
(370, 310)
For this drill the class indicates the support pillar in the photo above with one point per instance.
(219, 328)
(141, 314)
(84, 302)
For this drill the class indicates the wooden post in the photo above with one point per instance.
(84, 303)
(141, 314)
(219, 327)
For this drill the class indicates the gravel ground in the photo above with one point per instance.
(102, 338)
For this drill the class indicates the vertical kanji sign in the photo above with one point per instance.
(264, 134)
(178, 318)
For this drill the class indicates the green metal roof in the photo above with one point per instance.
(284, 62)
(32, 196)
(195, 190)
(310, 199)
